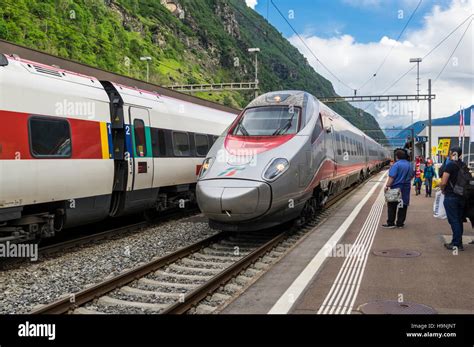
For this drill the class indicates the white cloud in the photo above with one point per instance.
(355, 62)
(251, 3)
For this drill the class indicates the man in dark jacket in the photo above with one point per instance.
(453, 203)
(469, 206)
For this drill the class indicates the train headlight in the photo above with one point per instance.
(205, 167)
(276, 168)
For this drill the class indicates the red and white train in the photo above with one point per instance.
(75, 150)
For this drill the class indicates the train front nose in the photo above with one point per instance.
(232, 200)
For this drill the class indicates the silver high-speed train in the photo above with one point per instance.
(281, 159)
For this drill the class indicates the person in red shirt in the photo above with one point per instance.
(417, 182)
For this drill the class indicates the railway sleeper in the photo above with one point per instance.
(109, 301)
(161, 273)
(214, 258)
(194, 270)
(205, 264)
(159, 295)
(162, 284)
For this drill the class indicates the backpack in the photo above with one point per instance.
(463, 180)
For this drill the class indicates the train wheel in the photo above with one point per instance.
(151, 215)
(308, 212)
(361, 177)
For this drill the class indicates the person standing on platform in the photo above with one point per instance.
(429, 173)
(445, 162)
(417, 181)
(399, 176)
(453, 203)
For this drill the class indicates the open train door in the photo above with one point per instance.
(141, 156)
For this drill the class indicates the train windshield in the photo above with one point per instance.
(268, 121)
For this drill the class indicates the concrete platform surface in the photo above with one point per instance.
(334, 270)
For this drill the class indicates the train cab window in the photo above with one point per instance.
(50, 138)
(318, 128)
(268, 121)
(181, 147)
(139, 136)
(202, 144)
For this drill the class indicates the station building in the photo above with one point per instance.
(446, 128)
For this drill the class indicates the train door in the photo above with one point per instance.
(334, 148)
(366, 150)
(142, 158)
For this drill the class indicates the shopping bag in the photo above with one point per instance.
(436, 182)
(393, 195)
(438, 206)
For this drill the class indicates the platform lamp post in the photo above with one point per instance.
(255, 50)
(417, 61)
(147, 59)
(412, 134)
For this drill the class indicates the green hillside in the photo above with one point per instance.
(190, 41)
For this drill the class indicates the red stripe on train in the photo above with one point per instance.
(327, 170)
(14, 140)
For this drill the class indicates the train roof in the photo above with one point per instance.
(300, 98)
(52, 71)
(283, 97)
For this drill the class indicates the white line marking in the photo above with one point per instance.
(286, 301)
(350, 274)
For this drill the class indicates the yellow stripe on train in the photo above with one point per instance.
(104, 139)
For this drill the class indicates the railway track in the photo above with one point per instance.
(201, 278)
(114, 232)
(68, 244)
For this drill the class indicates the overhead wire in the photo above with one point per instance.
(452, 53)
(310, 50)
(425, 56)
(393, 46)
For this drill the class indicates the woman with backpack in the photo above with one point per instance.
(455, 177)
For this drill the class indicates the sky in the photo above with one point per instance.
(355, 39)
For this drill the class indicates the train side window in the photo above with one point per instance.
(338, 144)
(50, 138)
(181, 147)
(202, 144)
(140, 140)
(158, 143)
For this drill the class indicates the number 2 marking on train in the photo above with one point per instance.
(127, 129)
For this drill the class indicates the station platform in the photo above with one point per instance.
(408, 265)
